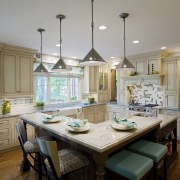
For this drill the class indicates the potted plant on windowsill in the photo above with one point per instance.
(40, 105)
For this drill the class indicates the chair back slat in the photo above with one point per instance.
(49, 148)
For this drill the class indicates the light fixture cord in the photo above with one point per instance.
(124, 39)
(60, 41)
(92, 25)
(41, 45)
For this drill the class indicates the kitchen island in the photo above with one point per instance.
(101, 140)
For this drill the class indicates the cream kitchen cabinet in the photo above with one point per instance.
(5, 133)
(147, 63)
(8, 132)
(94, 113)
(171, 70)
(16, 72)
(103, 84)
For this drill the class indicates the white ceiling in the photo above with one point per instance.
(155, 23)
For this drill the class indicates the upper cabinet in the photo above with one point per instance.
(90, 79)
(96, 82)
(16, 67)
(147, 63)
(148, 67)
(103, 78)
(103, 84)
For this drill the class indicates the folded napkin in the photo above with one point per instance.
(125, 122)
(47, 116)
(77, 123)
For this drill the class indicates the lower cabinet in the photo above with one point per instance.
(5, 133)
(174, 113)
(8, 132)
(94, 113)
(103, 96)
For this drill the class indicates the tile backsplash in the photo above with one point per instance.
(19, 101)
(145, 94)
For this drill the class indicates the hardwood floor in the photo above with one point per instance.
(10, 167)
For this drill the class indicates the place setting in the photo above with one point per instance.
(78, 125)
(123, 124)
(54, 118)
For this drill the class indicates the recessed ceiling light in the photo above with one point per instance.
(136, 42)
(74, 57)
(55, 54)
(112, 57)
(163, 47)
(102, 27)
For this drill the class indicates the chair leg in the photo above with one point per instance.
(39, 167)
(25, 166)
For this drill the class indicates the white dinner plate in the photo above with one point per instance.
(121, 127)
(54, 119)
(78, 129)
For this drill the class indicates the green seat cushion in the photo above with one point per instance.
(128, 164)
(152, 150)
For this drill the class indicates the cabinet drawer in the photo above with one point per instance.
(88, 109)
(4, 144)
(100, 108)
(4, 133)
(4, 122)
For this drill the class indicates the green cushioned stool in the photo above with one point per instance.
(128, 165)
(157, 152)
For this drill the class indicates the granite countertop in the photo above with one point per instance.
(100, 137)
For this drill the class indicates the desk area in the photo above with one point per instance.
(101, 139)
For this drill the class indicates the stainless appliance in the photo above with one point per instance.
(144, 110)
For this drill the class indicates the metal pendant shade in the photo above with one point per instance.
(93, 58)
(41, 68)
(60, 65)
(125, 63)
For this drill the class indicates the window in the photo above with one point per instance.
(57, 89)
(41, 88)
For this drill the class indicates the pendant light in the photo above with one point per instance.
(92, 58)
(60, 65)
(41, 68)
(125, 63)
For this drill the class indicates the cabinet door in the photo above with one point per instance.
(170, 71)
(154, 65)
(26, 83)
(9, 74)
(89, 113)
(17, 73)
(140, 66)
(89, 116)
(171, 100)
(5, 133)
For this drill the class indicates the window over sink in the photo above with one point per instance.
(57, 89)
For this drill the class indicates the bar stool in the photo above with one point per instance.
(128, 165)
(157, 152)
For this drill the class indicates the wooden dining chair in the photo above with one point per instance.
(58, 164)
(30, 148)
